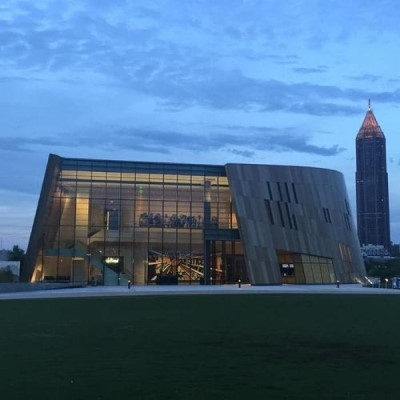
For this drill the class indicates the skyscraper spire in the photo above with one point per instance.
(370, 126)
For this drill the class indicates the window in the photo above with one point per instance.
(281, 214)
(287, 269)
(287, 192)
(288, 215)
(111, 219)
(347, 221)
(294, 193)
(269, 212)
(327, 215)
(280, 191)
(269, 191)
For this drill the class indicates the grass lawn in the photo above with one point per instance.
(201, 347)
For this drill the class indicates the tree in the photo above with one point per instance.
(6, 275)
(16, 254)
(389, 269)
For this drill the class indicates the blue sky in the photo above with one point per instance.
(211, 81)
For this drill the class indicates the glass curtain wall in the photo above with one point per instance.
(305, 268)
(227, 262)
(113, 221)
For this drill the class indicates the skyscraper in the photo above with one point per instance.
(372, 183)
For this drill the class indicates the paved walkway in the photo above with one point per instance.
(196, 289)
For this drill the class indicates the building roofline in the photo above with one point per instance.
(172, 164)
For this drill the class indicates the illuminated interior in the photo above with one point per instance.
(305, 268)
(153, 222)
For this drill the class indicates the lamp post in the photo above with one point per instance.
(88, 255)
(386, 281)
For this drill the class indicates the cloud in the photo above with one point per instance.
(365, 77)
(242, 153)
(218, 89)
(23, 144)
(244, 141)
(316, 70)
(249, 141)
(147, 54)
(285, 59)
(286, 140)
(324, 109)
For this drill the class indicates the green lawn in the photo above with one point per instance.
(201, 347)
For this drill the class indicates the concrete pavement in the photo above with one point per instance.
(100, 291)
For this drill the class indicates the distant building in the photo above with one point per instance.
(372, 184)
(395, 249)
(375, 253)
(111, 221)
(4, 255)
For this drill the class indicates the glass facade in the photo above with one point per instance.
(109, 222)
(305, 268)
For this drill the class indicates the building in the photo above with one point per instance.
(107, 222)
(372, 184)
(375, 253)
(4, 255)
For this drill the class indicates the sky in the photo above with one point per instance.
(205, 81)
